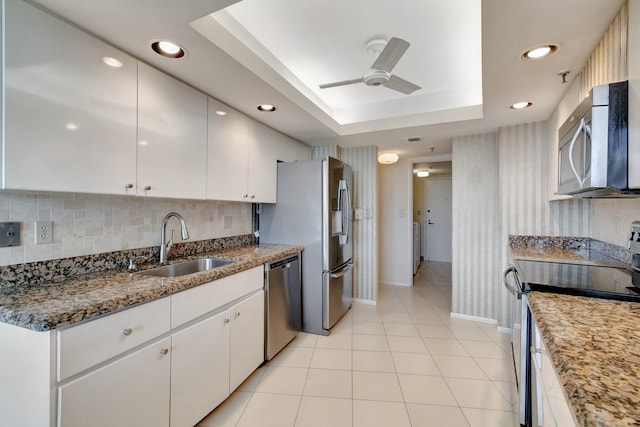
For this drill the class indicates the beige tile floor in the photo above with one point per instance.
(402, 362)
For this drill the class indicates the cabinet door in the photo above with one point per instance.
(199, 369)
(290, 150)
(263, 163)
(133, 391)
(70, 119)
(227, 164)
(247, 338)
(172, 137)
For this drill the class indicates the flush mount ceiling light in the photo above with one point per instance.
(268, 108)
(423, 174)
(387, 158)
(539, 52)
(112, 62)
(221, 113)
(167, 49)
(521, 105)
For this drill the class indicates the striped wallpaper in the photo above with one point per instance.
(363, 160)
(511, 169)
(608, 62)
(476, 237)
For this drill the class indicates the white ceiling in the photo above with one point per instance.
(311, 43)
(223, 66)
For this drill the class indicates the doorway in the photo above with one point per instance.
(432, 209)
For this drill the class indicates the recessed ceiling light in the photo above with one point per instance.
(267, 108)
(112, 62)
(221, 113)
(167, 49)
(71, 126)
(387, 158)
(521, 105)
(539, 52)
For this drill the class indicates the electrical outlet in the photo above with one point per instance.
(44, 232)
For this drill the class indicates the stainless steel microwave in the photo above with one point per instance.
(593, 158)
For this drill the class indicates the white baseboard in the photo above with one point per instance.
(504, 330)
(474, 318)
(406, 285)
(364, 301)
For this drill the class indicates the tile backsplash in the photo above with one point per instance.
(86, 224)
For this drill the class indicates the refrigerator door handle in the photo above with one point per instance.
(343, 205)
(341, 272)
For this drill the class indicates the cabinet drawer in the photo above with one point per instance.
(86, 345)
(192, 303)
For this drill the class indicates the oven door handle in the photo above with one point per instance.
(507, 282)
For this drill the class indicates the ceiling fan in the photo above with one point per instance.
(389, 53)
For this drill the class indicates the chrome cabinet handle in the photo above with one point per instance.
(128, 185)
(126, 332)
(147, 188)
(164, 351)
(237, 314)
(226, 320)
(245, 196)
(253, 196)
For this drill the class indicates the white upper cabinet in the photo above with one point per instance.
(290, 150)
(263, 163)
(228, 154)
(70, 119)
(172, 137)
(242, 159)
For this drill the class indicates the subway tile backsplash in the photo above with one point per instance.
(87, 224)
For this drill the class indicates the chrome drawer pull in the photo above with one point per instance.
(127, 332)
(164, 351)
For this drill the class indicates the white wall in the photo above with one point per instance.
(394, 207)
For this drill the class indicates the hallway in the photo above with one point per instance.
(404, 362)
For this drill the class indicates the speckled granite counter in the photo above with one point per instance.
(55, 305)
(570, 250)
(594, 346)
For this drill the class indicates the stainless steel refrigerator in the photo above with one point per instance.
(314, 209)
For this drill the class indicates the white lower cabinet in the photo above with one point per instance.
(132, 391)
(247, 339)
(199, 369)
(213, 357)
(176, 372)
(550, 405)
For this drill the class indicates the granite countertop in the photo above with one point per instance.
(568, 250)
(593, 344)
(55, 305)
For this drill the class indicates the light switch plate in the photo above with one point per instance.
(9, 234)
(44, 232)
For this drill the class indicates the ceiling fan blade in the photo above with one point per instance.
(391, 54)
(342, 83)
(401, 85)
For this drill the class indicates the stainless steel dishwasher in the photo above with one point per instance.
(283, 310)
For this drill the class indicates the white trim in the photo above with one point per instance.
(474, 318)
(364, 301)
(406, 285)
(504, 330)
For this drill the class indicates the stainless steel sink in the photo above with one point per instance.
(187, 267)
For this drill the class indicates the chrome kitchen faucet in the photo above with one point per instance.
(165, 248)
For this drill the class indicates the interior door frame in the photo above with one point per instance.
(409, 231)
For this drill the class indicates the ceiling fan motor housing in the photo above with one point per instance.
(376, 78)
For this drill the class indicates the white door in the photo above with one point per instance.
(438, 219)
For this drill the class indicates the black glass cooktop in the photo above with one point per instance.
(580, 279)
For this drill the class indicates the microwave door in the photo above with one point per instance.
(578, 152)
